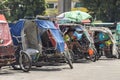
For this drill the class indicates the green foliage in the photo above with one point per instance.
(21, 8)
(105, 10)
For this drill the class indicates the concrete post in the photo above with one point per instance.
(64, 5)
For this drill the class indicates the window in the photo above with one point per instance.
(50, 5)
(78, 4)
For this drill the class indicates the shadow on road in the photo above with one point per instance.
(6, 72)
(10, 71)
(82, 61)
(46, 69)
(107, 59)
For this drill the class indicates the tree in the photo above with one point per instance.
(105, 10)
(3, 8)
(21, 8)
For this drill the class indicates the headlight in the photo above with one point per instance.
(1, 41)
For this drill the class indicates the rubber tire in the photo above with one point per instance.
(93, 57)
(98, 55)
(72, 55)
(70, 63)
(118, 54)
(68, 59)
(29, 62)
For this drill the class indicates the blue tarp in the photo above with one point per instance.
(58, 37)
(15, 29)
(44, 24)
(55, 32)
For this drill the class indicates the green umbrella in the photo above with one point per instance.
(76, 16)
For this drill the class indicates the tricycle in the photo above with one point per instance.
(105, 42)
(79, 42)
(42, 41)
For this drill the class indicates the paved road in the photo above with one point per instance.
(104, 69)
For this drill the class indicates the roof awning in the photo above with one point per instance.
(2, 19)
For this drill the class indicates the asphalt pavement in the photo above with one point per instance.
(104, 69)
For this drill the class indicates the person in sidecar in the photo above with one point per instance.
(70, 38)
(69, 35)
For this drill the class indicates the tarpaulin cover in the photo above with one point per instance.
(45, 24)
(16, 29)
(75, 16)
(55, 32)
(59, 39)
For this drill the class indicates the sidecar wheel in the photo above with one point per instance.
(25, 62)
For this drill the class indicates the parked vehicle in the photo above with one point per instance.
(42, 41)
(105, 42)
(82, 46)
(117, 35)
(7, 51)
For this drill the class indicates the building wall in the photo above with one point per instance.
(62, 6)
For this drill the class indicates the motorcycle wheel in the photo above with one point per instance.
(93, 57)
